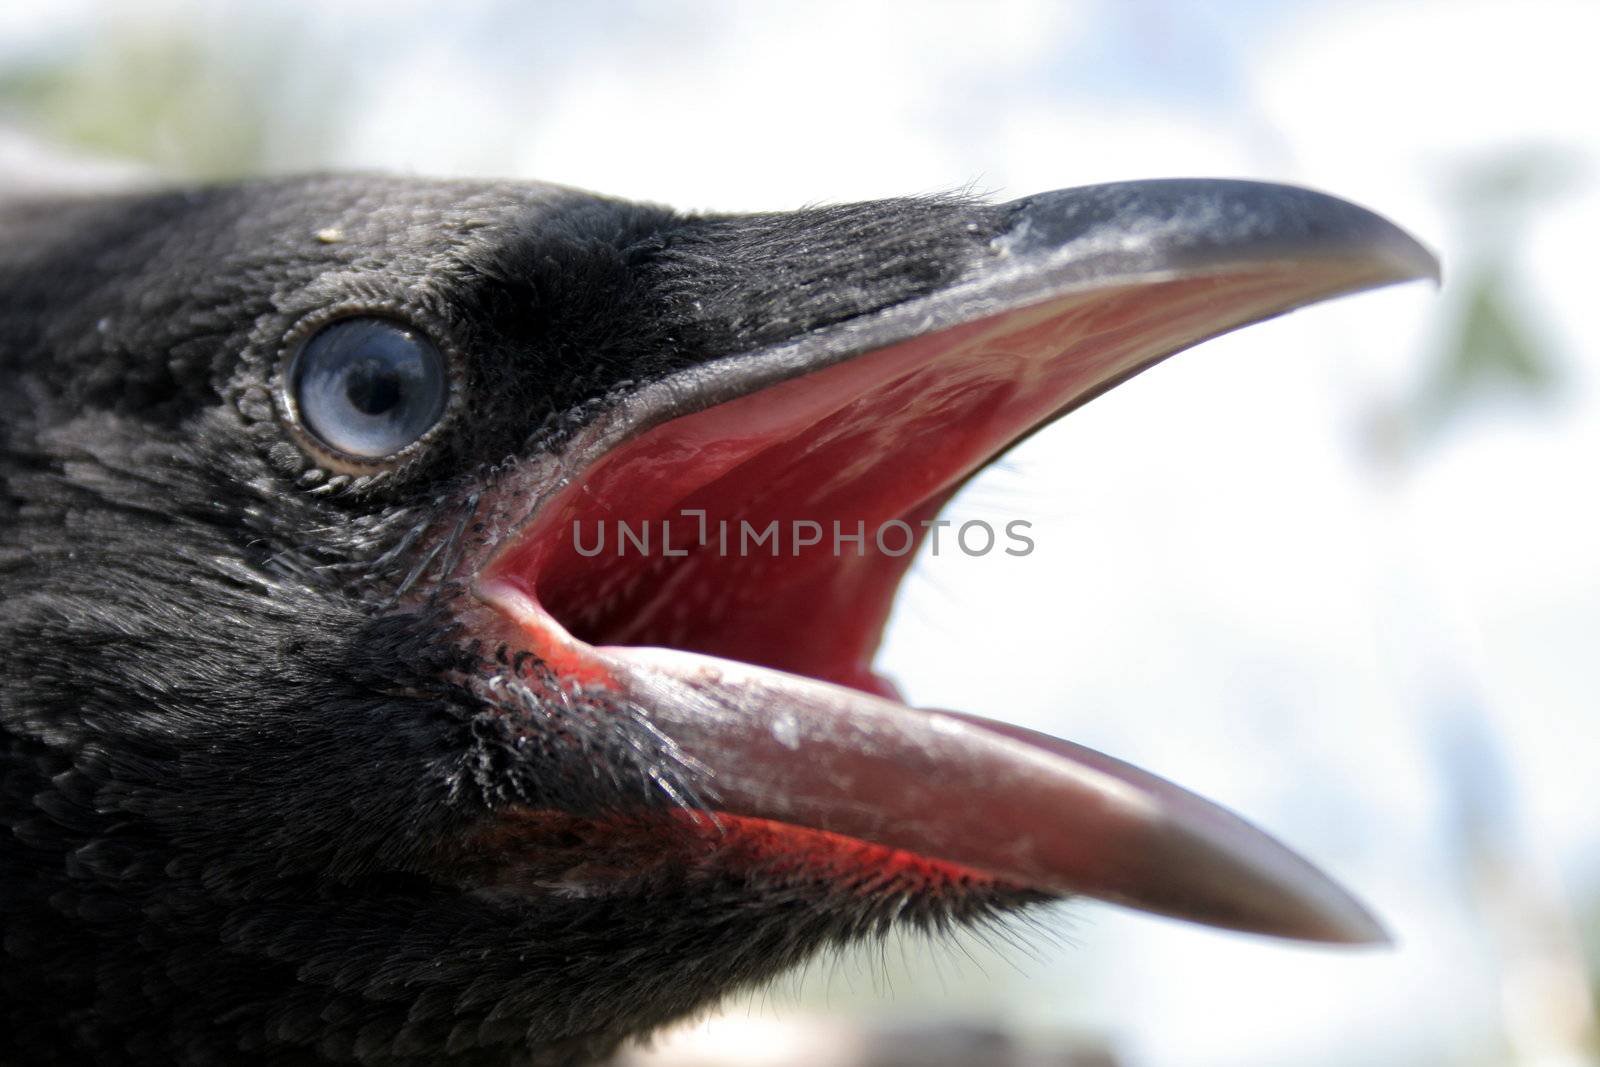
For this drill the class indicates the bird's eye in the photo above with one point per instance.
(368, 387)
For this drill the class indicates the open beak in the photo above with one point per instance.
(753, 661)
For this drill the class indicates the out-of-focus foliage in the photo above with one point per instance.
(1492, 350)
(162, 94)
(1495, 348)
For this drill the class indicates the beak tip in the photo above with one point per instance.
(1181, 225)
(1204, 863)
(1361, 929)
(1329, 914)
(1353, 928)
(1411, 260)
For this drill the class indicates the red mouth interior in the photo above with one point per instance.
(531, 848)
(884, 436)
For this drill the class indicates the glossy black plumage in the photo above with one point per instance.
(282, 781)
(230, 771)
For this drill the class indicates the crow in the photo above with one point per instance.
(438, 616)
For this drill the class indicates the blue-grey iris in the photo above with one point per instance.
(368, 387)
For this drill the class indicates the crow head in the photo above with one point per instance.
(438, 618)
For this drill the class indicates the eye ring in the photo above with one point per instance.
(363, 389)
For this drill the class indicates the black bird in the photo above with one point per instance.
(329, 735)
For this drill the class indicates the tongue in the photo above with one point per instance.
(1023, 806)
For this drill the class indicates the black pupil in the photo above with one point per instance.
(372, 386)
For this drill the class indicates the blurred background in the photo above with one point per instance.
(1340, 571)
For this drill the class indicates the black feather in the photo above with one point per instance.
(244, 747)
